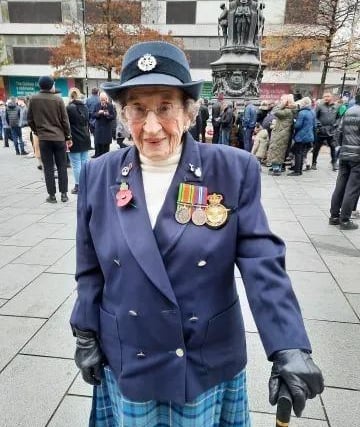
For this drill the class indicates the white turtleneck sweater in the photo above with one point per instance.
(157, 176)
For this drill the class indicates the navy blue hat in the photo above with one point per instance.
(155, 63)
(46, 82)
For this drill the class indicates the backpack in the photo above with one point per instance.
(13, 115)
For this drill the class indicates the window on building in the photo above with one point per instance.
(34, 12)
(31, 55)
(202, 58)
(300, 12)
(181, 12)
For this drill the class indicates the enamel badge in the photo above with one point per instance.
(147, 62)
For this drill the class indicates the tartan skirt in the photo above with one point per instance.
(225, 405)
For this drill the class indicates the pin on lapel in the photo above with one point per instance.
(195, 170)
(126, 170)
(124, 195)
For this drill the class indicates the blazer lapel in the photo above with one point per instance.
(167, 230)
(136, 227)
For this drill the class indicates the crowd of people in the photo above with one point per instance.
(287, 134)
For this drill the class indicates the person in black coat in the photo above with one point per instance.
(104, 113)
(204, 114)
(79, 124)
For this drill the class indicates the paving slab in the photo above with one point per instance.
(14, 277)
(65, 232)
(42, 297)
(258, 373)
(303, 257)
(14, 333)
(55, 338)
(46, 252)
(342, 407)
(290, 231)
(319, 225)
(336, 349)
(354, 300)
(66, 264)
(346, 271)
(10, 253)
(249, 322)
(80, 387)
(320, 297)
(32, 235)
(308, 210)
(61, 217)
(34, 387)
(73, 411)
(265, 420)
(280, 214)
(334, 245)
(20, 222)
(3, 301)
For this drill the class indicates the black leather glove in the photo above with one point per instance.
(296, 369)
(88, 356)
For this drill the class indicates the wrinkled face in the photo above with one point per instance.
(103, 99)
(156, 119)
(327, 98)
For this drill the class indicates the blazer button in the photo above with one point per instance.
(179, 352)
(141, 355)
(133, 313)
(202, 263)
(117, 262)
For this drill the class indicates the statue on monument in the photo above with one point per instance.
(223, 22)
(242, 22)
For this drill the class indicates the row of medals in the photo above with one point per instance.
(213, 215)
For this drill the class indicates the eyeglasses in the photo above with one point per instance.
(137, 113)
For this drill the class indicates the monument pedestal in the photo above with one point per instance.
(237, 73)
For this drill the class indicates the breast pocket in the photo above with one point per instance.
(225, 338)
(110, 341)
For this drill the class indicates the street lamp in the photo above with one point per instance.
(83, 46)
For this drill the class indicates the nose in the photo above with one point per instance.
(152, 124)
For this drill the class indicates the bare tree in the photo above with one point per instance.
(329, 31)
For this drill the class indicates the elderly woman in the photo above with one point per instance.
(104, 114)
(281, 134)
(158, 324)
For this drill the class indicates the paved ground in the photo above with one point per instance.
(39, 382)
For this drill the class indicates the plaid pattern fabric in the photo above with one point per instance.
(225, 405)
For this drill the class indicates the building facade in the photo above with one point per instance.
(29, 28)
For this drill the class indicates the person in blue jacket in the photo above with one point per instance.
(160, 226)
(304, 134)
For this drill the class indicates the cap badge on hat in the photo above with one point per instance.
(147, 62)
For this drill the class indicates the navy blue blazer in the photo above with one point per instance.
(163, 302)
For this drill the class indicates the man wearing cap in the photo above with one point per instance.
(48, 119)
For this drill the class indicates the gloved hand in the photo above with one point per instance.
(88, 356)
(302, 377)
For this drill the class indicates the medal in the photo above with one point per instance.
(216, 213)
(200, 197)
(124, 195)
(184, 203)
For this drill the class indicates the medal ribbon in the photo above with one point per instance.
(200, 197)
(186, 194)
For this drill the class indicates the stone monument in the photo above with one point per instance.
(238, 72)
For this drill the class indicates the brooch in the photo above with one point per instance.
(124, 195)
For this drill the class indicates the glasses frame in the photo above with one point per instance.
(147, 110)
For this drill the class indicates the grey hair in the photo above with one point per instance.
(305, 102)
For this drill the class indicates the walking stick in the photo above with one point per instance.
(284, 405)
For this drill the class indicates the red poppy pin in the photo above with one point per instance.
(124, 195)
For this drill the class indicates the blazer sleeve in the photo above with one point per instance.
(89, 277)
(261, 260)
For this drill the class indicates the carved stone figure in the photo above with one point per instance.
(223, 22)
(253, 22)
(261, 22)
(242, 22)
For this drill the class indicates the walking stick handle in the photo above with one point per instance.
(284, 405)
